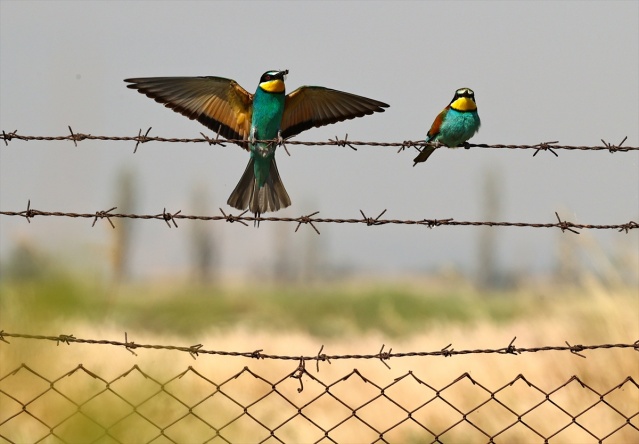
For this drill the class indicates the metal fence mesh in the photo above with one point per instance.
(81, 406)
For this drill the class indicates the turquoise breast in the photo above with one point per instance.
(458, 127)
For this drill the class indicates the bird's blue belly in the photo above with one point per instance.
(458, 127)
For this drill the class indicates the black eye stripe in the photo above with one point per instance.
(465, 93)
(270, 76)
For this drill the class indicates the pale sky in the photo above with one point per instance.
(541, 71)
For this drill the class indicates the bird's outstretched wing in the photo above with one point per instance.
(314, 106)
(218, 103)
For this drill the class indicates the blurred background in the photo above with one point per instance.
(559, 71)
(551, 71)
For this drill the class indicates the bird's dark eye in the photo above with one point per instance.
(267, 77)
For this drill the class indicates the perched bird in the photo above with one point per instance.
(228, 109)
(454, 125)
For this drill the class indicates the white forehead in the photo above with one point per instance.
(465, 91)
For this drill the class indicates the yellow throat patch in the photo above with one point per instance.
(463, 104)
(274, 86)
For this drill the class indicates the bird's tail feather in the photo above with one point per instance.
(271, 196)
(423, 155)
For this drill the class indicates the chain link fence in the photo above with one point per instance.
(81, 406)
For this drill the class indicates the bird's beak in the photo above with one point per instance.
(284, 73)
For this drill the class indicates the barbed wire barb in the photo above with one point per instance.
(8, 136)
(257, 354)
(370, 221)
(511, 349)
(28, 214)
(565, 225)
(215, 141)
(307, 220)
(407, 144)
(436, 222)
(614, 148)
(320, 357)
(103, 214)
(170, 217)
(141, 138)
(67, 339)
(193, 350)
(343, 142)
(385, 355)
(78, 137)
(575, 349)
(546, 146)
(129, 346)
(231, 218)
(217, 137)
(209, 140)
(628, 226)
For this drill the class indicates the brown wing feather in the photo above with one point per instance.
(432, 133)
(314, 106)
(437, 124)
(218, 103)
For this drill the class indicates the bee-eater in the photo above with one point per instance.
(228, 109)
(454, 125)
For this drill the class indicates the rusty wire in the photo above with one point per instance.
(171, 220)
(141, 137)
(192, 405)
(382, 355)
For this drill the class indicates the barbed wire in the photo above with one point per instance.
(171, 220)
(143, 138)
(197, 349)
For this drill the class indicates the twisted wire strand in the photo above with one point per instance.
(382, 355)
(143, 138)
(171, 220)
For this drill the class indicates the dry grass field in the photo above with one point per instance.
(170, 396)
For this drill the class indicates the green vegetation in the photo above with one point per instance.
(328, 311)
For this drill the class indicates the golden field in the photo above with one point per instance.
(244, 398)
